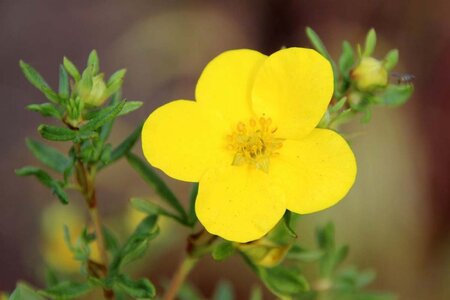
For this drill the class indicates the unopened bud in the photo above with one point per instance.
(369, 74)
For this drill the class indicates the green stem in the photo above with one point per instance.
(187, 264)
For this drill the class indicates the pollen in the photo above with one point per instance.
(254, 143)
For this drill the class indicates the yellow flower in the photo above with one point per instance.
(250, 141)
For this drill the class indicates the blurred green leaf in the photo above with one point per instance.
(46, 110)
(126, 145)
(189, 292)
(192, 197)
(154, 209)
(223, 250)
(111, 241)
(63, 83)
(66, 290)
(224, 291)
(298, 253)
(139, 289)
(347, 59)
(340, 104)
(49, 156)
(391, 59)
(136, 244)
(104, 116)
(38, 82)
(51, 278)
(371, 41)
(256, 293)
(71, 69)
(283, 281)
(395, 95)
(317, 42)
(93, 62)
(54, 133)
(55, 186)
(156, 182)
(24, 292)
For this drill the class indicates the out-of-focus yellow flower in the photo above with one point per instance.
(251, 142)
(370, 74)
(54, 249)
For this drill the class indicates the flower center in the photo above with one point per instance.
(254, 142)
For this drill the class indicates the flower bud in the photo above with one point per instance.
(369, 74)
(265, 253)
(97, 94)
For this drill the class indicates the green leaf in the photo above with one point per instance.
(63, 83)
(256, 293)
(104, 116)
(136, 244)
(71, 69)
(304, 255)
(282, 233)
(126, 145)
(156, 182)
(283, 281)
(140, 289)
(24, 292)
(347, 59)
(130, 106)
(49, 156)
(93, 62)
(395, 95)
(38, 82)
(391, 59)
(55, 186)
(66, 290)
(192, 217)
(111, 241)
(154, 209)
(325, 236)
(371, 41)
(340, 104)
(224, 291)
(54, 133)
(117, 76)
(46, 110)
(223, 250)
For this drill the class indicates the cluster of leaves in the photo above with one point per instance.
(351, 98)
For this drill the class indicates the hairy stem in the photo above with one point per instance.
(180, 276)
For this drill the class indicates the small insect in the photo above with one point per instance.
(403, 78)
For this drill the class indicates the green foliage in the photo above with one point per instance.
(24, 292)
(138, 289)
(224, 291)
(223, 250)
(38, 82)
(371, 41)
(49, 156)
(67, 290)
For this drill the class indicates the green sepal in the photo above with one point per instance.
(138, 289)
(38, 82)
(136, 244)
(371, 42)
(93, 62)
(71, 69)
(54, 133)
(395, 95)
(223, 250)
(223, 291)
(63, 89)
(391, 59)
(46, 110)
(49, 156)
(24, 292)
(282, 233)
(152, 178)
(67, 290)
(55, 186)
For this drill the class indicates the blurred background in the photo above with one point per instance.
(397, 217)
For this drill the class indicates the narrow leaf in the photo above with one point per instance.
(391, 59)
(38, 82)
(93, 62)
(49, 156)
(117, 76)
(371, 41)
(151, 208)
(130, 106)
(103, 117)
(156, 182)
(54, 133)
(138, 289)
(347, 59)
(46, 110)
(66, 290)
(192, 197)
(71, 69)
(63, 83)
(126, 145)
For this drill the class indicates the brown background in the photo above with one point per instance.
(397, 217)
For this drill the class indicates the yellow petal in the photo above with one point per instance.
(183, 139)
(226, 83)
(315, 172)
(239, 203)
(293, 87)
